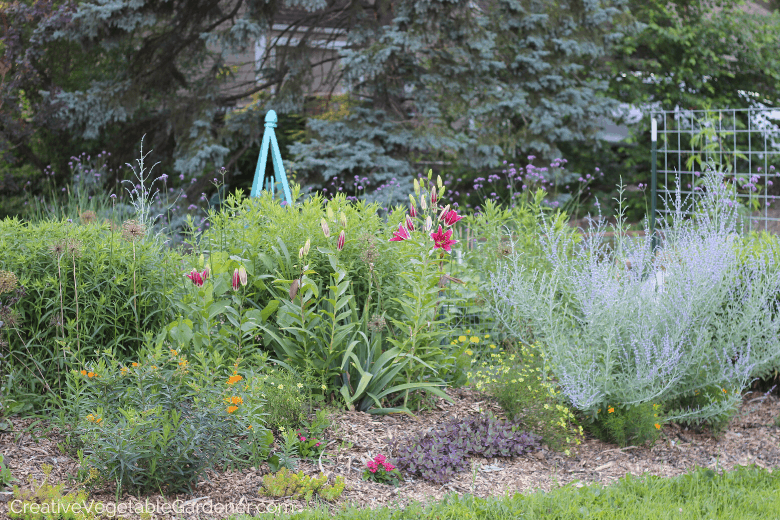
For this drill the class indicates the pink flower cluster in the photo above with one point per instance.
(379, 460)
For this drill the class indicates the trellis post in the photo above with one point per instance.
(269, 141)
(653, 186)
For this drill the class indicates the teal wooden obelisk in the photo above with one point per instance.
(269, 141)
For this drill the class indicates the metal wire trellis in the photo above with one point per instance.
(744, 144)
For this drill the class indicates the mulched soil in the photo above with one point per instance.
(354, 437)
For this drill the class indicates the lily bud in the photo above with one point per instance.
(206, 272)
(416, 187)
(329, 213)
(236, 280)
(242, 276)
(343, 219)
(300, 253)
(325, 228)
(412, 211)
(428, 224)
(423, 204)
(306, 247)
(342, 238)
(444, 212)
(409, 223)
(439, 183)
(433, 196)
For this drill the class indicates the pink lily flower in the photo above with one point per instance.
(400, 235)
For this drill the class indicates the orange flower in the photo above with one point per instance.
(611, 409)
(232, 409)
(135, 364)
(98, 420)
(83, 372)
(174, 353)
(236, 400)
(724, 390)
(234, 379)
(657, 426)
(91, 374)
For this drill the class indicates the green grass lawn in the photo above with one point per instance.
(743, 494)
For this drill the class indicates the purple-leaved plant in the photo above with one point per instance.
(438, 455)
(618, 327)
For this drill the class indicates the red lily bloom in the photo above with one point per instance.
(441, 239)
(451, 218)
(409, 223)
(196, 277)
(400, 235)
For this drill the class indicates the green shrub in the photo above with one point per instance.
(630, 425)
(523, 386)
(285, 483)
(159, 423)
(87, 289)
(246, 227)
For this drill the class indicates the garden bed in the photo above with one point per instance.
(751, 438)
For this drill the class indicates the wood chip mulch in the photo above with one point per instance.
(354, 437)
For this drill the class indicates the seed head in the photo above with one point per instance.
(377, 323)
(58, 248)
(132, 231)
(88, 217)
(8, 281)
(73, 247)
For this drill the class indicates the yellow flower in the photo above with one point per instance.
(468, 352)
(123, 370)
(657, 426)
(324, 387)
(280, 387)
(232, 409)
(183, 363)
(234, 379)
(611, 409)
(474, 339)
(487, 336)
(462, 339)
(90, 417)
(492, 346)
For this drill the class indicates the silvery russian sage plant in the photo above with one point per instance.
(623, 338)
